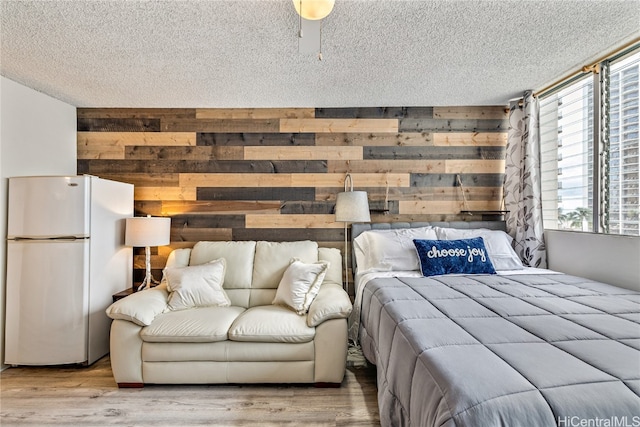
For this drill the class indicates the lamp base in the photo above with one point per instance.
(148, 283)
(148, 278)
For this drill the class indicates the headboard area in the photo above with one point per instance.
(357, 229)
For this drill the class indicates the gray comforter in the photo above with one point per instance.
(520, 350)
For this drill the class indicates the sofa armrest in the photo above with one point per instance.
(332, 302)
(140, 307)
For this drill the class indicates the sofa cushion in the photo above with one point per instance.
(238, 255)
(204, 324)
(228, 351)
(140, 307)
(197, 286)
(300, 284)
(335, 272)
(272, 259)
(271, 323)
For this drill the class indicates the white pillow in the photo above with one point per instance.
(390, 250)
(498, 244)
(300, 285)
(177, 258)
(197, 285)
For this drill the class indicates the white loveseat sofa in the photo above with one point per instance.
(249, 341)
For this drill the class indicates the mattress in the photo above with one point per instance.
(502, 350)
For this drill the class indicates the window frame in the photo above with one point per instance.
(599, 74)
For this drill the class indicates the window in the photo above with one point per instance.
(590, 150)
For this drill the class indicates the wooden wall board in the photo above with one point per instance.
(417, 217)
(255, 139)
(145, 179)
(255, 193)
(97, 139)
(450, 180)
(290, 179)
(273, 174)
(433, 153)
(386, 166)
(291, 221)
(207, 221)
(164, 193)
(100, 166)
(199, 207)
(118, 125)
(183, 153)
(135, 113)
(474, 166)
(302, 153)
(420, 139)
(359, 179)
(193, 235)
(100, 152)
(476, 112)
(452, 125)
(375, 112)
(221, 125)
(396, 194)
(148, 207)
(338, 125)
(254, 113)
(306, 207)
(446, 206)
(235, 180)
(470, 138)
(291, 234)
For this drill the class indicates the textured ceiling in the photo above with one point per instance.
(128, 53)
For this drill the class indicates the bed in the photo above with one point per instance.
(522, 347)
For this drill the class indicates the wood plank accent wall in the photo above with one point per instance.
(273, 174)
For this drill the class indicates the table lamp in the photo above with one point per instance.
(146, 232)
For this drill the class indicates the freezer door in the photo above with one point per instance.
(47, 302)
(43, 207)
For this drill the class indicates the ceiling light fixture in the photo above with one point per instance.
(313, 10)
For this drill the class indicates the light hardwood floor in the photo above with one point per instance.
(72, 396)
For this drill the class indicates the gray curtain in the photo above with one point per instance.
(522, 187)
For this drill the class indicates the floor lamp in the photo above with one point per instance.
(145, 232)
(351, 206)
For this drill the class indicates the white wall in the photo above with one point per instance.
(37, 137)
(606, 258)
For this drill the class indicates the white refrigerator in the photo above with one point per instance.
(65, 259)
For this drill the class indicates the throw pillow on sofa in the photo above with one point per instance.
(197, 286)
(300, 285)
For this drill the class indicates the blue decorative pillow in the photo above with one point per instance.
(463, 256)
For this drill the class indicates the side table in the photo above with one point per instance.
(122, 294)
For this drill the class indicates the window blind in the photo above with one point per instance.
(566, 134)
(624, 156)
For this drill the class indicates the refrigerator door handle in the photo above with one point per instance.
(58, 238)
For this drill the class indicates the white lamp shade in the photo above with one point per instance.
(147, 231)
(352, 206)
(313, 9)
